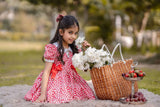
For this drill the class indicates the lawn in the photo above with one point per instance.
(22, 66)
(152, 80)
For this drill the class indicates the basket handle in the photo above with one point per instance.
(105, 46)
(109, 54)
(119, 51)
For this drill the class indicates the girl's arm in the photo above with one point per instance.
(85, 45)
(45, 77)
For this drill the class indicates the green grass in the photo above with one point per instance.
(151, 81)
(22, 67)
(84, 75)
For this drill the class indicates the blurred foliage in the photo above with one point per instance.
(91, 13)
(101, 13)
(96, 17)
(136, 10)
(23, 20)
(17, 36)
(18, 16)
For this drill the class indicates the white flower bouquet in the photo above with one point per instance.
(79, 41)
(90, 58)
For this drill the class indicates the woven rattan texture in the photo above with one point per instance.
(109, 83)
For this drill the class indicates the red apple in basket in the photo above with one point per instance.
(140, 71)
(135, 75)
(126, 75)
(132, 71)
(140, 74)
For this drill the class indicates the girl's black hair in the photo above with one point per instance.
(65, 23)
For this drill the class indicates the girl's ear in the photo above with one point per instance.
(61, 32)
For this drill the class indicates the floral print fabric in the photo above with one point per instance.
(66, 85)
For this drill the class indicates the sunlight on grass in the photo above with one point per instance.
(20, 45)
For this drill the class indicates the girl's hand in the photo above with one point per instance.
(85, 45)
(41, 98)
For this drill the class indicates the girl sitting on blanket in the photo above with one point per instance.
(59, 82)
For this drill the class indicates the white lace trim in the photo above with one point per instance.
(47, 60)
(65, 50)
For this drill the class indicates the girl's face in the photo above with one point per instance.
(69, 35)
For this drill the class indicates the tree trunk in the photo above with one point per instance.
(145, 20)
(85, 16)
(142, 29)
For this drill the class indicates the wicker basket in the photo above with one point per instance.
(109, 83)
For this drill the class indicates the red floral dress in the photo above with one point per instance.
(64, 84)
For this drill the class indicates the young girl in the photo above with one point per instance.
(59, 82)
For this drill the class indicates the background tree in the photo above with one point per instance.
(139, 12)
(94, 15)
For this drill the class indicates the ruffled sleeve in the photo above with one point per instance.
(50, 53)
